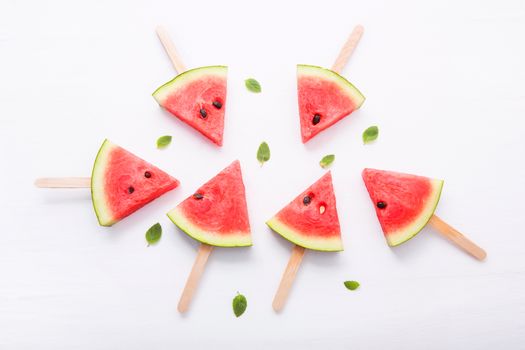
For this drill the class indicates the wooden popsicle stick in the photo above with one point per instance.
(288, 278)
(170, 49)
(194, 277)
(348, 48)
(457, 238)
(63, 182)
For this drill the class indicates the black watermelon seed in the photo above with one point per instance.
(381, 205)
(131, 189)
(203, 113)
(316, 119)
(198, 196)
(147, 174)
(217, 104)
(307, 200)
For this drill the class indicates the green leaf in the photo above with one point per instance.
(327, 161)
(352, 285)
(154, 233)
(239, 304)
(370, 134)
(263, 153)
(252, 85)
(163, 141)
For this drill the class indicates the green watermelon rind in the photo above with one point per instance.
(98, 194)
(322, 244)
(357, 97)
(240, 239)
(410, 231)
(180, 80)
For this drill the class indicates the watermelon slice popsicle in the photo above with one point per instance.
(310, 221)
(405, 204)
(196, 96)
(215, 215)
(121, 183)
(325, 97)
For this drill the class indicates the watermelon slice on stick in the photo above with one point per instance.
(405, 203)
(309, 221)
(215, 215)
(196, 96)
(121, 183)
(324, 96)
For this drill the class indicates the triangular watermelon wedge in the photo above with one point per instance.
(217, 213)
(198, 98)
(122, 183)
(325, 97)
(311, 219)
(404, 203)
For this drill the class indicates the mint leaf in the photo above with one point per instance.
(352, 285)
(239, 304)
(263, 153)
(163, 141)
(252, 85)
(327, 161)
(370, 134)
(153, 234)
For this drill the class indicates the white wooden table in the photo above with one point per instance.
(444, 83)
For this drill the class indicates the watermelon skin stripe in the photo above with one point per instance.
(328, 74)
(162, 92)
(322, 244)
(231, 239)
(97, 183)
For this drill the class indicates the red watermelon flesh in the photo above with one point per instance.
(404, 203)
(122, 183)
(325, 97)
(311, 219)
(198, 98)
(217, 213)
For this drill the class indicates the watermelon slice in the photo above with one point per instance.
(311, 220)
(198, 98)
(404, 203)
(122, 183)
(216, 213)
(325, 97)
